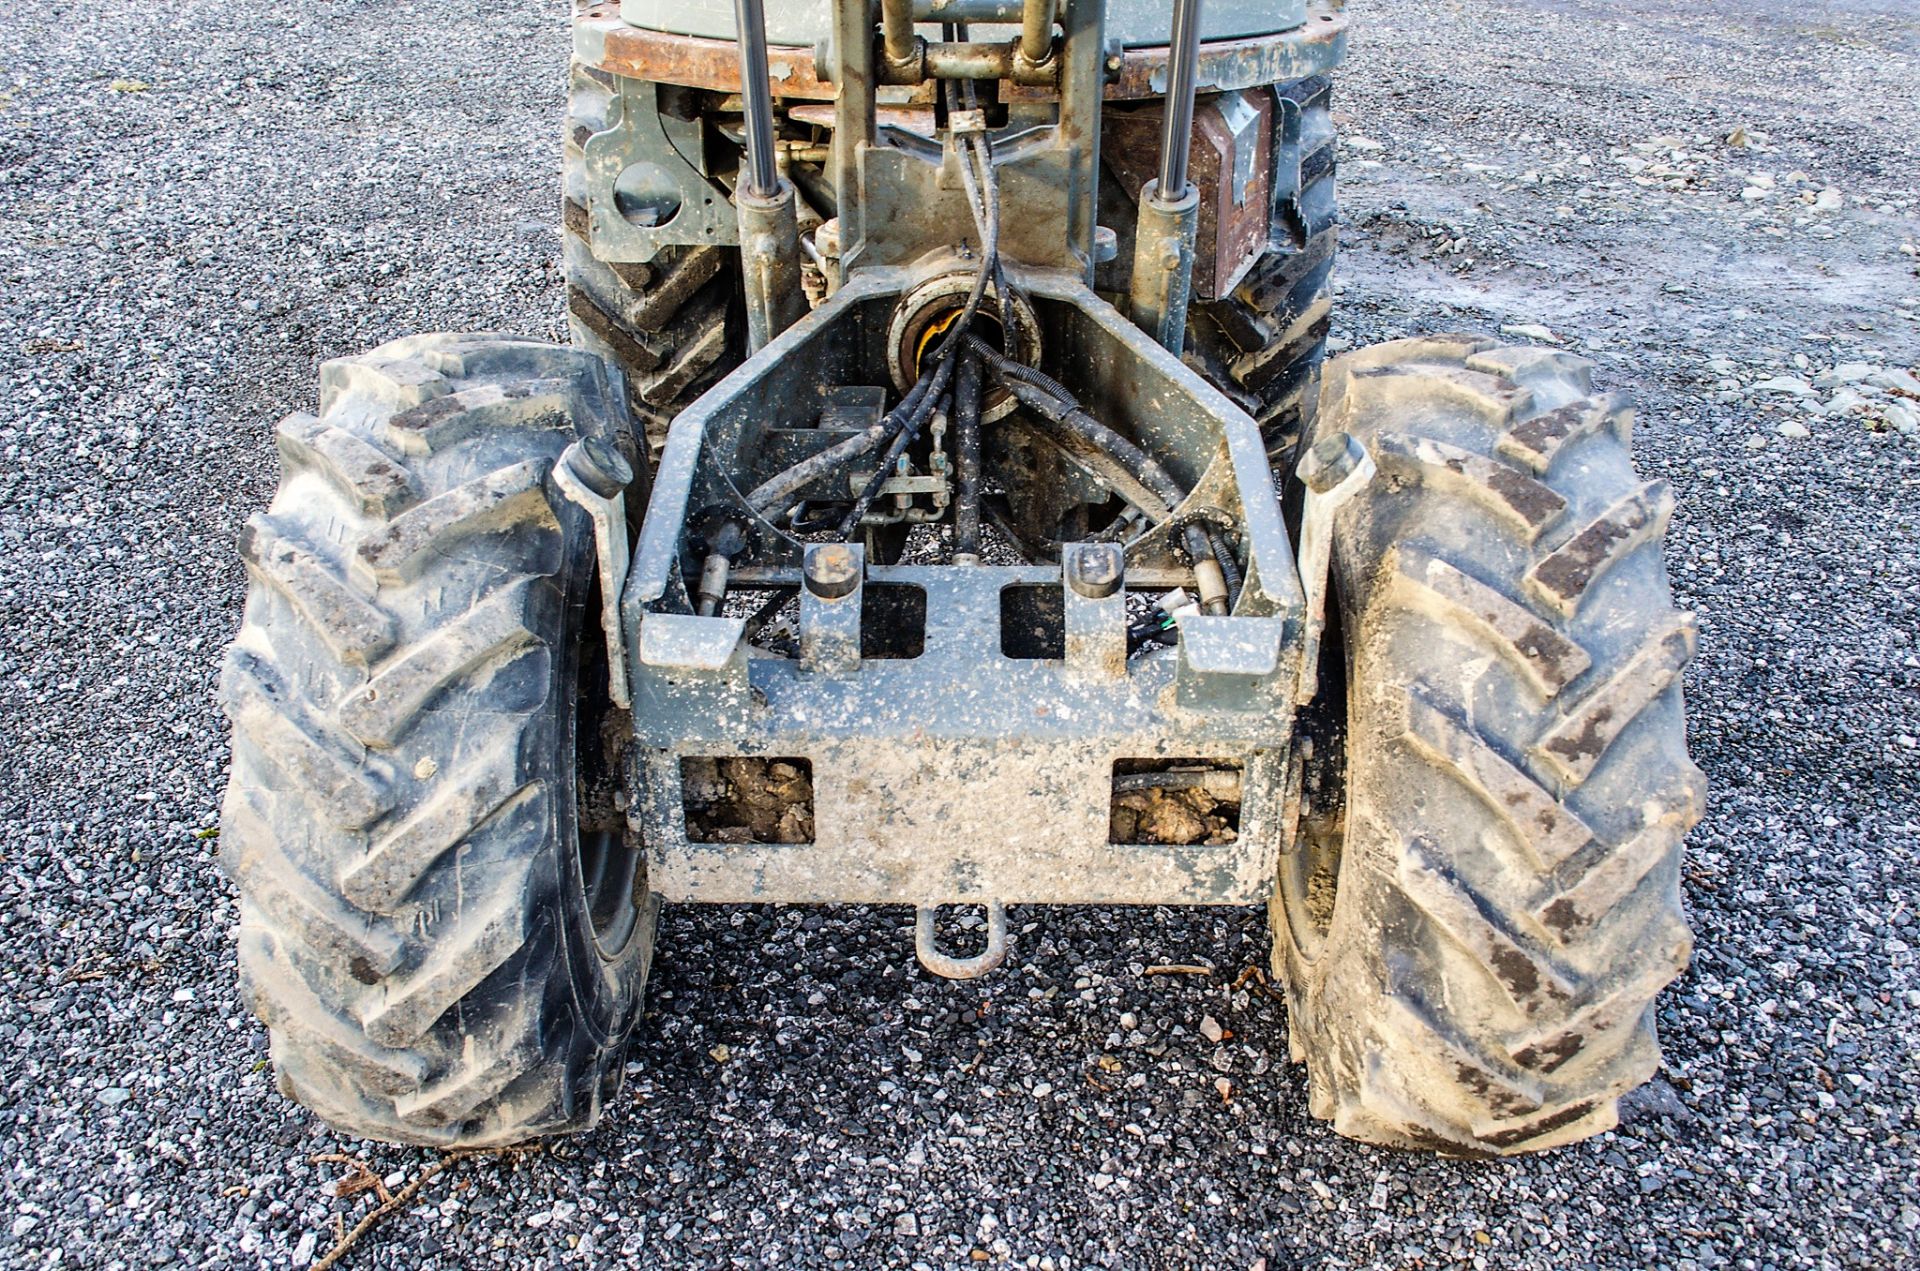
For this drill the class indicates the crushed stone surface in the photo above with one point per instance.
(200, 201)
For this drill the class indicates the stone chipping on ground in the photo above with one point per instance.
(201, 201)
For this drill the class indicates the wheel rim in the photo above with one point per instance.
(609, 868)
(609, 863)
(1309, 874)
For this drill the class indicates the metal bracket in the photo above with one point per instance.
(831, 598)
(944, 964)
(594, 475)
(1336, 469)
(635, 147)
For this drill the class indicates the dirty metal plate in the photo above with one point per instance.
(951, 822)
(603, 41)
(965, 773)
(808, 22)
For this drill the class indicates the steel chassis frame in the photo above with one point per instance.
(963, 775)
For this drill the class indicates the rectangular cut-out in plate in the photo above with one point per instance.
(893, 621)
(746, 799)
(1176, 802)
(1033, 621)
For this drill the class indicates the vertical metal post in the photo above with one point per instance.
(756, 95)
(1169, 218)
(1036, 31)
(830, 603)
(899, 44)
(769, 224)
(853, 119)
(1183, 62)
(1083, 86)
(966, 445)
(1336, 469)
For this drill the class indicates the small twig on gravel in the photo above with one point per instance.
(1259, 977)
(360, 1177)
(396, 1201)
(402, 1198)
(1178, 970)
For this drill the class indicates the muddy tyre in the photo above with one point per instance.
(670, 324)
(1479, 909)
(442, 921)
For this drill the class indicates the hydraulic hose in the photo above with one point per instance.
(984, 199)
(1044, 395)
(942, 373)
(903, 423)
(766, 498)
(966, 443)
(1229, 567)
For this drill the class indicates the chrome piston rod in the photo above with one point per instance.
(1169, 217)
(769, 223)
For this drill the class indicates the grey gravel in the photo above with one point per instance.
(202, 200)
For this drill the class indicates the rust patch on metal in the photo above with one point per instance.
(694, 61)
(1225, 65)
(1311, 48)
(1233, 227)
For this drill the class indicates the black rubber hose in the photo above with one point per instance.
(905, 420)
(1021, 371)
(983, 198)
(941, 375)
(966, 444)
(1193, 536)
(766, 498)
(1229, 567)
(1046, 397)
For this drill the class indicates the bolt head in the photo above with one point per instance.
(832, 571)
(599, 465)
(1332, 460)
(1095, 569)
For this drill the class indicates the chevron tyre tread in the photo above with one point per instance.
(1472, 934)
(401, 816)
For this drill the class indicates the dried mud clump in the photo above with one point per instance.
(1175, 815)
(748, 800)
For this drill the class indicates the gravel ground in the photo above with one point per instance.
(202, 200)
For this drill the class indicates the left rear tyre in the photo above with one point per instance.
(445, 922)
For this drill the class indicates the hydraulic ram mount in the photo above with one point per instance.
(963, 589)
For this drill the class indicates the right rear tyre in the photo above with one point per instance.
(1484, 896)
